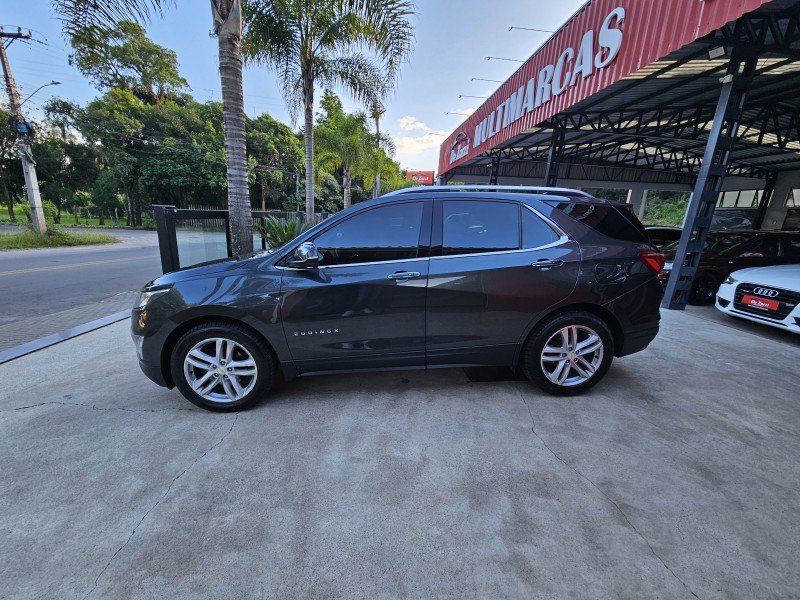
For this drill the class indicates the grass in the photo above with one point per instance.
(68, 220)
(54, 238)
(669, 213)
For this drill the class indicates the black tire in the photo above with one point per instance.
(536, 361)
(704, 288)
(213, 392)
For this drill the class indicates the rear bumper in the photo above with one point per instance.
(639, 316)
(638, 339)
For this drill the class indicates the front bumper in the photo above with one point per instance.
(154, 374)
(725, 303)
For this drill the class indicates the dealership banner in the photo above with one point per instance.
(603, 42)
(421, 177)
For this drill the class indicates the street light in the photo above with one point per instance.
(39, 88)
(531, 29)
(458, 113)
(500, 58)
(467, 96)
(482, 79)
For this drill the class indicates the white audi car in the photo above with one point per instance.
(769, 295)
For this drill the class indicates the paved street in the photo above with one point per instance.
(44, 291)
(676, 477)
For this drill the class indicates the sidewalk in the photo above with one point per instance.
(26, 330)
(677, 475)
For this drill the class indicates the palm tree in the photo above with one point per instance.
(343, 142)
(318, 42)
(376, 113)
(81, 16)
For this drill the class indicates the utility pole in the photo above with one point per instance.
(24, 133)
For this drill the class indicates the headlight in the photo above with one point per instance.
(146, 295)
(729, 281)
(668, 266)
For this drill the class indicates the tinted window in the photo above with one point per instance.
(381, 234)
(473, 226)
(766, 246)
(535, 232)
(718, 241)
(613, 221)
(791, 247)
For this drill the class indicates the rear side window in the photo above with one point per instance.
(473, 226)
(535, 232)
(612, 221)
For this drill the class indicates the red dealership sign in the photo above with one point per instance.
(420, 177)
(603, 42)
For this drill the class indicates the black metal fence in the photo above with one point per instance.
(188, 237)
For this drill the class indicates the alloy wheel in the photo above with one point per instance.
(220, 370)
(572, 355)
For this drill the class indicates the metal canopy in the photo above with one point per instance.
(653, 125)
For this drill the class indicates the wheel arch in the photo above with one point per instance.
(602, 313)
(177, 333)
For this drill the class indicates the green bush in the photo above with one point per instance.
(50, 211)
(278, 232)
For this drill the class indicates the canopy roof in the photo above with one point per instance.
(646, 115)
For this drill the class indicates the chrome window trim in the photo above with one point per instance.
(559, 242)
(562, 239)
(366, 264)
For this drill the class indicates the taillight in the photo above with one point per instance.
(654, 260)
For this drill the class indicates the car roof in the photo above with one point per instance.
(568, 193)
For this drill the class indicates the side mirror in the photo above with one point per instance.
(305, 257)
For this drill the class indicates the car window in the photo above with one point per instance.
(535, 232)
(791, 247)
(616, 222)
(380, 234)
(765, 247)
(473, 226)
(717, 241)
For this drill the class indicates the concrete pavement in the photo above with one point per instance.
(676, 477)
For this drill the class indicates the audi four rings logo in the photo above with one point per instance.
(766, 292)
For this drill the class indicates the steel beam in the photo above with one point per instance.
(716, 160)
(554, 156)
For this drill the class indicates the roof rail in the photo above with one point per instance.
(513, 189)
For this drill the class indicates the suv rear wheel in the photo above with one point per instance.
(568, 353)
(222, 367)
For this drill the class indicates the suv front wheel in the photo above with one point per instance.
(222, 367)
(568, 353)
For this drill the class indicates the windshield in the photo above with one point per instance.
(717, 241)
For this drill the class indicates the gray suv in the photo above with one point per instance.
(552, 282)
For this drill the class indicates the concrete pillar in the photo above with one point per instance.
(637, 197)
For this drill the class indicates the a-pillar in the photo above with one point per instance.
(637, 198)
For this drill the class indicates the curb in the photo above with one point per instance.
(62, 336)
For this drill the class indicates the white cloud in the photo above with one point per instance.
(410, 146)
(409, 123)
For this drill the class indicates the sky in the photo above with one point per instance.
(453, 39)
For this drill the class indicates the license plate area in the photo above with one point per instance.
(760, 303)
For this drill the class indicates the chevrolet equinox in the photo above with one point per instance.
(552, 282)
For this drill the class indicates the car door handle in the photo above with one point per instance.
(404, 275)
(547, 263)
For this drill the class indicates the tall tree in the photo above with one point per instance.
(80, 16)
(125, 58)
(343, 142)
(314, 42)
